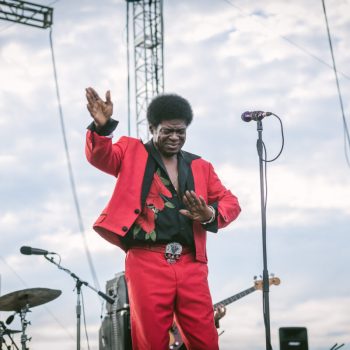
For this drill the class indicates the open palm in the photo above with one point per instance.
(100, 110)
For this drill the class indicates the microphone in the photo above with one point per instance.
(34, 251)
(255, 115)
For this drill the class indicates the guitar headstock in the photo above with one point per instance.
(273, 280)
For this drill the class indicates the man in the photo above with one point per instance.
(164, 201)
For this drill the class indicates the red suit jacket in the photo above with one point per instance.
(126, 160)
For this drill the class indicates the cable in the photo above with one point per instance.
(292, 42)
(84, 318)
(70, 170)
(345, 126)
(312, 55)
(14, 271)
(282, 146)
(60, 323)
(265, 174)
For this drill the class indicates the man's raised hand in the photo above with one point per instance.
(100, 110)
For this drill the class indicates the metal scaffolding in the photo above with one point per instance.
(148, 57)
(24, 12)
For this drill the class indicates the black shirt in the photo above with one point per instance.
(160, 220)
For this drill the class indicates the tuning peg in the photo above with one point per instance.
(255, 278)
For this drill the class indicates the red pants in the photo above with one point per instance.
(158, 291)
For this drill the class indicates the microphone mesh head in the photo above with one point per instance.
(246, 116)
(26, 250)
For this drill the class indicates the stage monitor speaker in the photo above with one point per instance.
(293, 338)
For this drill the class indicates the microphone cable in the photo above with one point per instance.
(70, 170)
(345, 125)
(282, 144)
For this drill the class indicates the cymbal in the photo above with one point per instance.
(16, 301)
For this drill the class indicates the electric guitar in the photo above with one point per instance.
(175, 337)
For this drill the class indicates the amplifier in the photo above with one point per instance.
(114, 333)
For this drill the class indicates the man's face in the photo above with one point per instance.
(169, 136)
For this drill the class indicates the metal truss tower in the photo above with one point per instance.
(148, 57)
(24, 12)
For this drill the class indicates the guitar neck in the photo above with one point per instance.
(235, 297)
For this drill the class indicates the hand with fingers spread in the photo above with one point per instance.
(100, 110)
(197, 208)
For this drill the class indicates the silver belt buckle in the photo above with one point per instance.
(173, 252)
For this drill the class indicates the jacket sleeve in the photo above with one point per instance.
(225, 203)
(104, 155)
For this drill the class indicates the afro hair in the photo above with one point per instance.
(168, 107)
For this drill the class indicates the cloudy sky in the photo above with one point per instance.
(226, 57)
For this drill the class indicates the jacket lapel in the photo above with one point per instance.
(149, 173)
(185, 172)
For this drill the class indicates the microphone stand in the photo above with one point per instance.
(266, 309)
(79, 283)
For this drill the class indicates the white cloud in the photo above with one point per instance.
(225, 59)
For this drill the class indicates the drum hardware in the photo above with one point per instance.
(8, 332)
(5, 331)
(24, 323)
(21, 301)
(10, 318)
